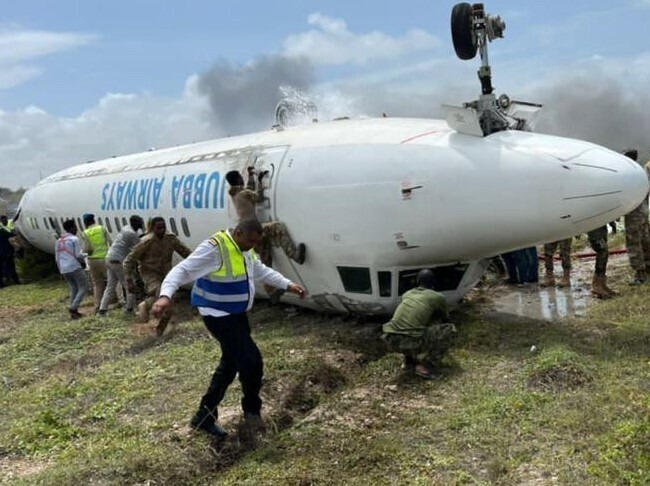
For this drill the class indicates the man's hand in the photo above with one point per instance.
(130, 286)
(163, 304)
(297, 289)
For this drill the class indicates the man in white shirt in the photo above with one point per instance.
(68, 256)
(126, 239)
(225, 270)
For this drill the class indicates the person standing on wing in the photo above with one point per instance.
(224, 268)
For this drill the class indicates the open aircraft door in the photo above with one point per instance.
(270, 161)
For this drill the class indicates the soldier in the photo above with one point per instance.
(96, 242)
(417, 329)
(275, 232)
(637, 235)
(598, 242)
(565, 254)
(153, 254)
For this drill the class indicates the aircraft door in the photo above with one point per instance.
(266, 169)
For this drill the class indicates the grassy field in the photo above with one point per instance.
(102, 401)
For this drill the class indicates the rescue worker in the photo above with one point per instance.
(153, 255)
(565, 254)
(126, 239)
(418, 329)
(96, 241)
(637, 235)
(275, 232)
(70, 260)
(7, 252)
(598, 242)
(224, 268)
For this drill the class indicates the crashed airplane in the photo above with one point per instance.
(374, 200)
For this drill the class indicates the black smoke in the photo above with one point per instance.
(243, 97)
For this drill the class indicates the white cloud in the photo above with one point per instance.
(19, 48)
(332, 42)
(34, 142)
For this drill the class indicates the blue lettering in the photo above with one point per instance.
(213, 180)
(199, 185)
(142, 194)
(120, 192)
(111, 201)
(131, 192)
(223, 193)
(104, 190)
(176, 188)
(157, 189)
(187, 191)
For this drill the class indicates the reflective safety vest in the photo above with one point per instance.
(95, 235)
(226, 288)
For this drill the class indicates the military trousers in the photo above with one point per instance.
(565, 254)
(429, 348)
(598, 242)
(637, 239)
(277, 234)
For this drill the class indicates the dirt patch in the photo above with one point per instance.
(19, 467)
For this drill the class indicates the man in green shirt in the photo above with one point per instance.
(417, 329)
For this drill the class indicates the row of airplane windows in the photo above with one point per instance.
(53, 224)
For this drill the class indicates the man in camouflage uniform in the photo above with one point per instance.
(637, 235)
(565, 254)
(598, 242)
(417, 329)
(153, 255)
(275, 232)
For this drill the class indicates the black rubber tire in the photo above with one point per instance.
(461, 31)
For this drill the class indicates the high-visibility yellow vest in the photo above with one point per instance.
(95, 235)
(225, 288)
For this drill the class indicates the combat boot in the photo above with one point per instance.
(549, 280)
(299, 257)
(566, 279)
(598, 288)
(610, 292)
(639, 278)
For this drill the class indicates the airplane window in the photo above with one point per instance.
(124, 223)
(108, 225)
(53, 224)
(356, 279)
(80, 225)
(384, 279)
(172, 224)
(446, 278)
(45, 224)
(62, 220)
(117, 223)
(186, 228)
(99, 221)
(36, 224)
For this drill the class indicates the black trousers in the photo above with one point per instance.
(239, 354)
(8, 269)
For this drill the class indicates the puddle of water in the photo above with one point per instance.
(543, 303)
(537, 302)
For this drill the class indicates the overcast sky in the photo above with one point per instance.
(83, 81)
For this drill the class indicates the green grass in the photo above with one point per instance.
(102, 401)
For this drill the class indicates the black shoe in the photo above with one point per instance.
(102, 313)
(204, 422)
(300, 256)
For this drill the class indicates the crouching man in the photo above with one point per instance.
(418, 329)
(225, 268)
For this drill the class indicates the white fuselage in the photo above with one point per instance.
(373, 200)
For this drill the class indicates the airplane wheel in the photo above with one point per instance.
(461, 31)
